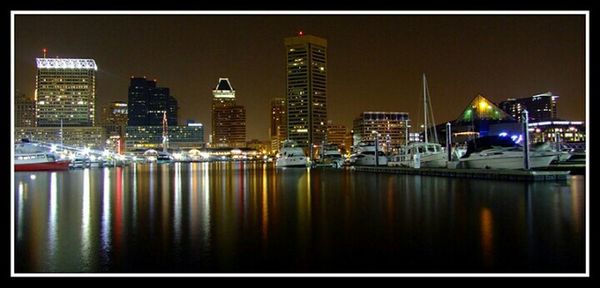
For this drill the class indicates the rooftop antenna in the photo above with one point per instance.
(44, 50)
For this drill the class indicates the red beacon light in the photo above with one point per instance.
(301, 33)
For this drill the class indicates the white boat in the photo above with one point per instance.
(563, 152)
(422, 154)
(365, 155)
(32, 158)
(331, 157)
(494, 152)
(291, 155)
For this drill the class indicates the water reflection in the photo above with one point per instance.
(105, 226)
(251, 217)
(85, 222)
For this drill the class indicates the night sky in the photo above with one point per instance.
(375, 63)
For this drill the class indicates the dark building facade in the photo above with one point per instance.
(306, 70)
(24, 111)
(148, 103)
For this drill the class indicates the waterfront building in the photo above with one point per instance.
(306, 82)
(114, 120)
(390, 126)
(141, 138)
(278, 130)
(65, 92)
(557, 131)
(228, 118)
(260, 146)
(481, 117)
(336, 134)
(91, 137)
(24, 110)
(147, 103)
(540, 107)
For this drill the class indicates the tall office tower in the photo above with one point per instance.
(147, 103)
(278, 123)
(24, 110)
(541, 107)
(65, 92)
(306, 89)
(228, 118)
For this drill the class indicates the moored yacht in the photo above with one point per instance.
(330, 156)
(291, 155)
(365, 155)
(30, 158)
(494, 152)
(420, 154)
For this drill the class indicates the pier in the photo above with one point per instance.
(512, 175)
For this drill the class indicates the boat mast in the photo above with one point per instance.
(165, 132)
(425, 105)
(432, 118)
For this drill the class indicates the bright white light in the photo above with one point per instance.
(65, 63)
(503, 134)
(32, 177)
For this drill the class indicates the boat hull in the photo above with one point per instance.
(369, 160)
(437, 160)
(45, 166)
(292, 162)
(508, 162)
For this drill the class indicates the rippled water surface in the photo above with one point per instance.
(252, 217)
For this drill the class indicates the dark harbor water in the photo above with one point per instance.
(250, 217)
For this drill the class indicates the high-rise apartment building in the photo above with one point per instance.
(24, 110)
(65, 92)
(541, 107)
(228, 118)
(306, 70)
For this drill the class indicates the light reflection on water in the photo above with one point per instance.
(251, 217)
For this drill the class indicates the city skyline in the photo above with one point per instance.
(375, 62)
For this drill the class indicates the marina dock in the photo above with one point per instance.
(512, 175)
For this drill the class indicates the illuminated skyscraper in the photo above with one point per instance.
(306, 89)
(65, 91)
(228, 118)
(278, 123)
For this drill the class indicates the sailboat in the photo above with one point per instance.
(422, 154)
